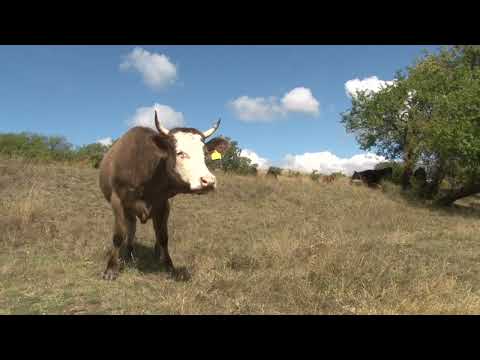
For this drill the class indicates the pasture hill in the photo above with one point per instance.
(258, 245)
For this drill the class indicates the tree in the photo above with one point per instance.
(430, 116)
(35, 146)
(232, 161)
(382, 121)
(449, 84)
(93, 153)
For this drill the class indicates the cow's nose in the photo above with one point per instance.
(207, 181)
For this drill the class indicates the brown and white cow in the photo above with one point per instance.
(141, 171)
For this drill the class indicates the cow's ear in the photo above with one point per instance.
(220, 144)
(163, 145)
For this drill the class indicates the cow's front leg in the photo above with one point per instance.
(160, 222)
(131, 229)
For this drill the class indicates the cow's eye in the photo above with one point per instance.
(181, 154)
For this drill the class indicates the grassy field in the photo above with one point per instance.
(256, 246)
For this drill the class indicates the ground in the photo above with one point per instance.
(255, 246)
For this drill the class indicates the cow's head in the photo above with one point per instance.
(356, 176)
(188, 156)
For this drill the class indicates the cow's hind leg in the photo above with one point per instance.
(119, 234)
(160, 222)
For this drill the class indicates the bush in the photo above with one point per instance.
(293, 173)
(49, 148)
(315, 176)
(93, 153)
(338, 174)
(397, 170)
(36, 147)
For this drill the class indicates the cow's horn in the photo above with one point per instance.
(210, 132)
(160, 128)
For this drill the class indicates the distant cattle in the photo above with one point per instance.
(139, 174)
(372, 177)
(274, 171)
(328, 179)
(420, 175)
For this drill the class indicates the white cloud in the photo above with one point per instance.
(256, 109)
(168, 117)
(106, 141)
(326, 162)
(370, 84)
(251, 109)
(261, 162)
(156, 69)
(301, 99)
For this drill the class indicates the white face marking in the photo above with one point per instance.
(191, 161)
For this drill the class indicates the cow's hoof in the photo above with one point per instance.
(130, 257)
(180, 274)
(166, 265)
(110, 274)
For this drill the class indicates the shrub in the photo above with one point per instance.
(93, 153)
(49, 148)
(293, 173)
(315, 176)
(338, 174)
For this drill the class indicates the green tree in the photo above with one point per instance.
(431, 116)
(382, 121)
(232, 161)
(93, 153)
(35, 146)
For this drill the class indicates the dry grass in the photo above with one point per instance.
(255, 246)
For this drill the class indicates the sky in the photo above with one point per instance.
(282, 104)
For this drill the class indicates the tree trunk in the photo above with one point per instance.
(407, 171)
(456, 194)
(431, 190)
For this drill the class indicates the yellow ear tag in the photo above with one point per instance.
(216, 155)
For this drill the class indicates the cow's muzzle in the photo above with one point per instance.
(208, 181)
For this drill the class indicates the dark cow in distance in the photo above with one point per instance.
(138, 175)
(372, 177)
(420, 175)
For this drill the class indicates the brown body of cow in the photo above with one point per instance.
(137, 177)
(329, 179)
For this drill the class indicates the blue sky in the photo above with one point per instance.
(82, 92)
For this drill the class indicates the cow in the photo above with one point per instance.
(328, 179)
(141, 172)
(420, 175)
(371, 177)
